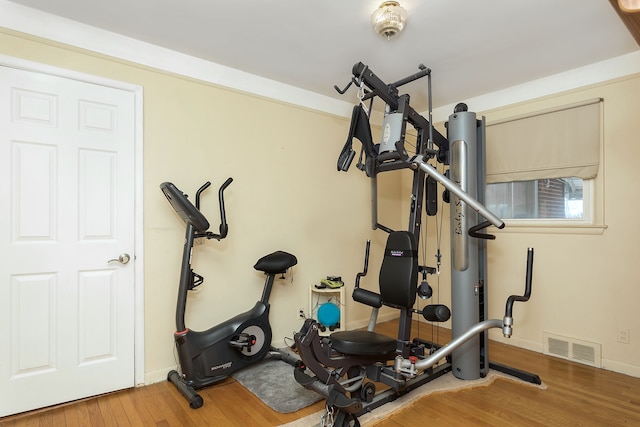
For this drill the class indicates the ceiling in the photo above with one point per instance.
(472, 47)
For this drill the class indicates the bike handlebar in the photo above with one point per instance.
(224, 227)
(200, 190)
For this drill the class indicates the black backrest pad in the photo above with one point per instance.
(399, 270)
(184, 208)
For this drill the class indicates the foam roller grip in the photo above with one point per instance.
(436, 313)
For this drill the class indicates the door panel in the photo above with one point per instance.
(66, 185)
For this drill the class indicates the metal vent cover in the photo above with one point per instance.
(585, 352)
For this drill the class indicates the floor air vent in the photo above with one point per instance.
(585, 352)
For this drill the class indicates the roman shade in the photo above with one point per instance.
(557, 143)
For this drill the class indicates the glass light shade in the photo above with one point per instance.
(389, 19)
(629, 5)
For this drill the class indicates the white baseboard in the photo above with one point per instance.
(279, 343)
(496, 335)
(157, 376)
(621, 368)
(362, 323)
(609, 365)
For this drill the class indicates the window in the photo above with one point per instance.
(543, 166)
(552, 198)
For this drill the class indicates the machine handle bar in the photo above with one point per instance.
(419, 162)
(506, 324)
(474, 231)
(366, 264)
(527, 287)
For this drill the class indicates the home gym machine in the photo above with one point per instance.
(210, 356)
(347, 364)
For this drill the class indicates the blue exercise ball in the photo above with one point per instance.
(328, 314)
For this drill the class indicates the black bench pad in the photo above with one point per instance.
(364, 343)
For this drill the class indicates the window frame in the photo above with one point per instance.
(587, 210)
(593, 221)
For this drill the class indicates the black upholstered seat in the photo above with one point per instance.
(364, 343)
(398, 283)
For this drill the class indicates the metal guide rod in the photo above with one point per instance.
(418, 161)
(374, 202)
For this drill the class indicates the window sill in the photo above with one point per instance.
(550, 228)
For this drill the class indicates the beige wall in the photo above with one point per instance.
(286, 195)
(586, 281)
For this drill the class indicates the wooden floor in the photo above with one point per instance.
(576, 395)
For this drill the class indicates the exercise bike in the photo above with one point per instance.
(207, 357)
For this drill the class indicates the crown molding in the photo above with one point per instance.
(61, 30)
(30, 21)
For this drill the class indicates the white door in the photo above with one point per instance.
(66, 210)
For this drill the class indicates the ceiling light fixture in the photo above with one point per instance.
(629, 6)
(389, 19)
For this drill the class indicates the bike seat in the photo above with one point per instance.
(276, 262)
